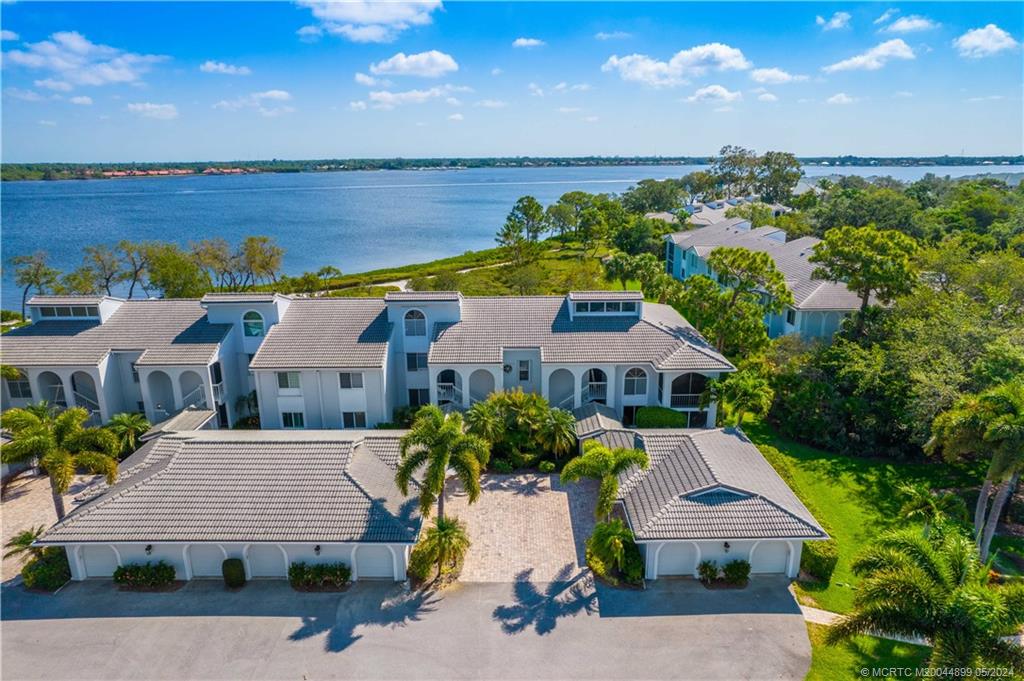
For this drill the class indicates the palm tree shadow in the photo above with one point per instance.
(357, 610)
(541, 610)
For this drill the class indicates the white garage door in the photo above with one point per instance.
(100, 561)
(206, 560)
(374, 562)
(677, 558)
(267, 561)
(770, 557)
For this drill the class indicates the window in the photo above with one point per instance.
(629, 307)
(288, 380)
(252, 324)
(583, 307)
(48, 311)
(71, 311)
(597, 307)
(613, 307)
(353, 419)
(92, 311)
(524, 370)
(670, 257)
(415, 361)
(686, 390)
(293, 419)
(350, 380)
(135, 372)
(19, 388)
(140, 407)
(419, 396)
(791, 317)
(216, 375)
(415, 323)
(636, 382)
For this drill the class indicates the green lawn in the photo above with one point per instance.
(854, 498)
(845, 661)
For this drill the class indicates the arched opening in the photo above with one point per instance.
(193, 394)
(770, 557)
(86, 397)
(415, 323)
(687, 389)
(560, 389)
(594, 387)
(449, 387)
(253, 325)
(677, 559)
(51, 389)
(481, 384)
(161, 394)
(635, 383)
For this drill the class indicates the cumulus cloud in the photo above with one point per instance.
(55, 85)
(365, 21)
(366, 80)
(496, 71)
(875, 58)
(528, 42)
(386, 99)
(431, 64)
(774, 76)
(590, 119)
(456, 117)
(491, 104)
(902, 94)
(566, 87)
(841, 98)
(535, 90)
(987, 98)
(911, 24)
(838, 20)
(767, 97)
(685, 64)
(268, 103)
(612, 35)
(225, 69)
(24, 95)
(82, 101)
(984, 42)
(886, 15)
(357, 106)
(714, 93)
(73, 58)
(8, 35)
(568, 109)
(163, 112)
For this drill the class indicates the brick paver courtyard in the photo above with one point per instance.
(525, 527)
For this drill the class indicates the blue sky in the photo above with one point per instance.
(126, 81)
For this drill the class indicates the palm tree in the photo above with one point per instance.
(931, 508)
(128, 428)
(437, 442)
(62, 445)
(484, 419)
(609, 543)
(618, 267)
(558, 432)
(10, 373)
(603, 464)
(744, 392)
(446, 542)
(936, 588)
(21, 543)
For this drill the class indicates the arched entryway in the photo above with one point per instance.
(193, 394)
(560, 389)
(51, 389)
(449, 388)
(85, 394)
(687, 389)
(161, 394)
(594, 387)
(481, 384)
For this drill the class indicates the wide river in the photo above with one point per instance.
(353, 220)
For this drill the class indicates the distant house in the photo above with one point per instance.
(819, 306)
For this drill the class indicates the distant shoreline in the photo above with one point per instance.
(13, 172)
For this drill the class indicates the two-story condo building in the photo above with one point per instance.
(818, 307)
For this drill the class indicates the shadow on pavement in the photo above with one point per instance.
(541, 610)
(765, 595)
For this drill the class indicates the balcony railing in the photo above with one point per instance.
(681, 401)
(218, 393)
(449, 392)
(594, 392)
(566, 404)
(195, 398)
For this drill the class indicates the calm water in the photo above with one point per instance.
(354, 220)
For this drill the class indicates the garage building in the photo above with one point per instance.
(270, 498)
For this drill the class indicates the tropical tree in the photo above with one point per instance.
(437, 443)
(33, 272)
(610, 542)
(930, 508)
(9, 372)
(128, 427)
(743, 392)
(106, 265)
(604, 465)
(619, 267)
(528, 215)
(935, 587)
(558, 432)
(22, 543)
(486, 420)
(62, 444)
(446, 542)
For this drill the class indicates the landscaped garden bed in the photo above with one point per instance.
(327, 577)
(733, 575)
(47, 571)
(614, 557)
(148, 577)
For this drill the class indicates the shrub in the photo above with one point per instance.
(234, 573)
(136, 575)
(301, 575)
(547, 466)
(633, 570)
(501, 466)
(660, 417)
(708, 571)
(421, 563)
(819, 559)
(736, 571)
(613, 554)
(48, 571)
(445, 544)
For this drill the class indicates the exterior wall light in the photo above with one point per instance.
(316, 549)
(149, 549)
(726, 546)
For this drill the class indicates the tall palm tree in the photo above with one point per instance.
(62, 444)
(128, 428)
(610, 541)
(558, 432)
(446, 542)
(438, 443)
(931, 508)
(936, 588)
(603, 464)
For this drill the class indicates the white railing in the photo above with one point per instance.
(59, 398)
(684, 401)
(90, 405)
(566, 404)
(477, 397)
(195, 398)
(218, 393)
(592, 392)
(449, 392)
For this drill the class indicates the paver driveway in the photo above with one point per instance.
(525, 527)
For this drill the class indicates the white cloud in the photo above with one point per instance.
(612, 35)
(163, 112)
(49, 124)
(590, 119)
(987, 98)
(357, 106)
(838, 20)
(910, 24)
(82, 101)
(496, 71)
(841, 98)
(269, 103)
(385, 99)
(456, 117)
(56, 85)
(225, 69)
(886, 15)
(366, 21)
(774, 76)
(8, 35)
(695, 61)
(714, 93)
(431, 64)
(535, 90)
(24, 95)
(453, 101)
(875, 58)
(723, 109)
(491, 104)
(984, 42)
(767, 97)
(528, 42)
(568, 109)
(903, 94)
(74, 59)
(566, 87)
(366, 80)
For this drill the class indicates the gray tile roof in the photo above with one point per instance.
(253, 297)
(170, 332)
(791, 258)
(254, 486)
(68, 300)
(606, 295)
(595, 417)
(488, 325)
(413, 296)
(343, 333)
(189, 419)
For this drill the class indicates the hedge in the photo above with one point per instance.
(148, 575)
(234, 573)
(819, 558)
(319, 576)
(49, 571)
(661, 417)
(736, 571)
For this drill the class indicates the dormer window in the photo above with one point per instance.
(252, 324)
(609, 307)
(73, 311)
(415, 323)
